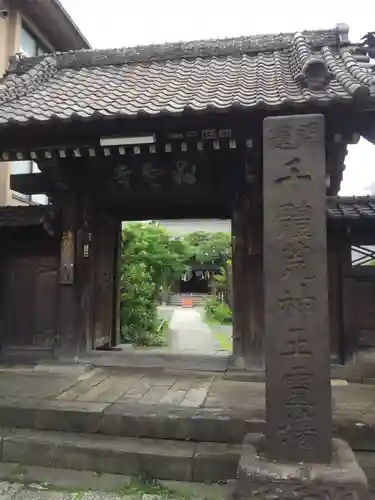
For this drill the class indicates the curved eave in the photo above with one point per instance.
(261, 106)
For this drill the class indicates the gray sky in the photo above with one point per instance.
(118, 23)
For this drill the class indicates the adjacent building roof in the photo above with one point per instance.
(268, 71)
(351, 207)
(55, 22)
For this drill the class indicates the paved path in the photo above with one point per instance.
(190, 334)
(67, 385)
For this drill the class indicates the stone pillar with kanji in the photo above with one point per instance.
(297, 457)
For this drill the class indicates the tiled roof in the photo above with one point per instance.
(355, 207)
(267, 71)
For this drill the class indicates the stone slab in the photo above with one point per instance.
(130, 456)
(197, 425)
(58, 369)
(81, 387)
(33, 385)
(191, 362)
(8, 470)
(261, 478)
(298, 398)
(70, 416)
(217, 461)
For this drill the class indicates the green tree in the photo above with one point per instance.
(150, 260)
(208, 248)
(164, 257)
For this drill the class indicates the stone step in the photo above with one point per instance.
(163, 459)
(197, 300)
(157, 359)
(124, 419)
(157, 421)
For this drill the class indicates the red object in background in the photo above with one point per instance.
(187, 302)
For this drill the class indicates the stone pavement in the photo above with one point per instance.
(162, 387)
(188, 333)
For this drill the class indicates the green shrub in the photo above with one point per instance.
(218, 311)
(138, 309)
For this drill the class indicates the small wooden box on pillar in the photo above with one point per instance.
(297, 457)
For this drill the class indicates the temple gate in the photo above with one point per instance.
(168, 147)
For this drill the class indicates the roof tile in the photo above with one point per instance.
(354, 207)
(250, 72)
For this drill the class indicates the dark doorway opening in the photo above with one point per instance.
(195, 282)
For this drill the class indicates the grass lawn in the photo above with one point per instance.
(224, 341)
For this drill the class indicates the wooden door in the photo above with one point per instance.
(29, 311)
(105, 294)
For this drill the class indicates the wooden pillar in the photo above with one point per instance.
(116, 327)
(349, 336)
(106, 305)
(254, 339)
(68, 297)
(336, 282)
(247, 271)
(298, 390)
(86, 266)
(334, 296)
(239, 310)
(76, 283)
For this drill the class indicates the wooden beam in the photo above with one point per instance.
(21, 216)
(31, 184)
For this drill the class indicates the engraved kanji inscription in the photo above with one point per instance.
(298, 425)
(297, 377)
(287, 137)
(122, 175)
(295, 252)
(292, 171)
(151, 175)
(184, 174)
(298, 300)
(297, 344)
(299, 432)
(295, 219)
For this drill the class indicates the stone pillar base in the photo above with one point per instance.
(261, 479)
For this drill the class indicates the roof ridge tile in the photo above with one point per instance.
(13, 86)
(219, 47)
